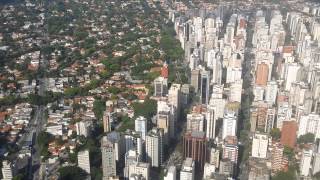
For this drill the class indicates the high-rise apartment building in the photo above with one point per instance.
(188, 170)
(160, 86)
(289, 133)
(230, 149)
(195, 147)
(204, 86)
(140, 169)
(7, 170)
(171, 173)
(195, 122)
(154, 147)
(211, 122)
(109, 149)
(140, 125)
(262, 74)
(260, 145)
(229, 127)
(84, 160)
(305, 162)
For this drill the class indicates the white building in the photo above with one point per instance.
(174, 97)
(141, 169)
(83, 128)
(284, 113)
(214, 157)
(305, 162)
(271, 92)
(110, 154)
(84, 160)
(309, 124)
(140, 125)
(154, 145)
(195, 122)
(229, 125)
(188, 170)
(209, 170)
(171, 173)
(316, 163)
(211, 122)
(260, 145)
(258, 92)
(56, 130)
(291, 73)
(7, 170)
(235, 91)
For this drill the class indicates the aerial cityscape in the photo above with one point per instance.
(160, 89)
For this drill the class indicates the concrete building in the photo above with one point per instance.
(260, 145)
(195, 79)
(195, 122)
(140, 169)
(204, 86)
(235, 91)
(309, 124)
(84, 160)
(230, 149)
(262, 74)
(167, 119)
(229, 125)
(174, 97)
(271, 92)
(171, 173)
(214, 157)
(278, 160)
(258, 170)
(188, 170)
(140, 125)
(154, 147)
(305, 162)
(289, 133)
(83, 128)
(226, 167)
(195, 147)
(8, 170)
(110, 149)
(160, 86)
(315, 163)
(211, 122)
(209, 170)
(107, 119)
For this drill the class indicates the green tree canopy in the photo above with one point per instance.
(72, 173)
(275, 133)
(289, 175)
(99, 106)
(307, 138)
(147, 109)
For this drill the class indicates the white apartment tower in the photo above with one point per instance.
(84, 160)
(140, 125)
(305, 162)
(188, 170)
(260, 145)
(229, 125)
(154, 147)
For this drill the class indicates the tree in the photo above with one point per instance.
(72, 173)
(289, 175)
(99, 106)
(275, 133)
(43, 141)
(147, 109)
(307, 138)
(288, 151)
